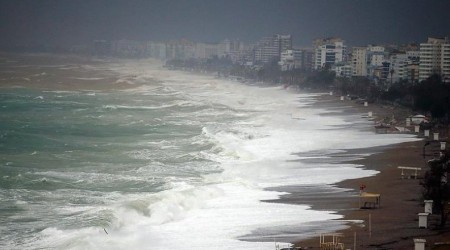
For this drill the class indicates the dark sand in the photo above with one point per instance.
(395, 224)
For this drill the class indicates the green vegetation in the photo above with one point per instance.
(430, 96)
(436, 186)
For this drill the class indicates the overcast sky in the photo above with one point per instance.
(359, 22)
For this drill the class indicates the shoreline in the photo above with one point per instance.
(395, 224)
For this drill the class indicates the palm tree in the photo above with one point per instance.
(392, 71)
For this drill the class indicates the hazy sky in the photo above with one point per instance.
(357, 21)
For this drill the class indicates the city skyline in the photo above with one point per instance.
(357, 22)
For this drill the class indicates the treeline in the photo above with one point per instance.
(431, 96)
(269, 73)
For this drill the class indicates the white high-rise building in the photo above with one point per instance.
(328, 52)
(291, 59)
(180, 49)
(375, 59)
(206, 50)
(435, 58)
(232, 49)
(445, 68)
(375, 55)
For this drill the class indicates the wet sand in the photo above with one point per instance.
(395, 224)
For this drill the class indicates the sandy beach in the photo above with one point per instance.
(392, 226)
(395, 224)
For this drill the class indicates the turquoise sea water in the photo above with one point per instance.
(171, 161)
(61, 149)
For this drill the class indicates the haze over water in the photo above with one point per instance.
(168, 160)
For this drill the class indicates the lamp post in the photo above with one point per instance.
(426, 144)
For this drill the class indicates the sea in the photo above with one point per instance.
(164, 159)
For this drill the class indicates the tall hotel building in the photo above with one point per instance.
(270, 48)
(328, 51)
(359, 61)
(435, 58)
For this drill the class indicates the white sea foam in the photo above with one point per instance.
(61, 91)
(179, 218)
(168, 105)
(253, 152)
(88, 78)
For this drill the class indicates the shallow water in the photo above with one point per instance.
(176, 161)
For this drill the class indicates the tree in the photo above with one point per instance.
(392, 71)
(433, 95)
(436, 186)
(321, 78)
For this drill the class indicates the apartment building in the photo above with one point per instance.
(342, 69)
(206, 50)
(128, 48)
(435, 58)
(156, 50)
(375, 59)
(404, 66)
(180, 49)
(359, 61)
(328, 51)
(291, 59)
(269, 48)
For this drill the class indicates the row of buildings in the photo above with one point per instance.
(267, 50)
(391, 63)
(412, 63)
(168, 50)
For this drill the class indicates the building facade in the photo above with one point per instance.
(180, 49)
(291, 59)
(342, 70)
(232, 49)
(375, 59)
(398, 65)
(128, 48)
(435, 58)
(359, 61)
(156, 50)
(206, 50)
(328, 51)
(269, 49)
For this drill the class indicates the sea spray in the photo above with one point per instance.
(175, 160)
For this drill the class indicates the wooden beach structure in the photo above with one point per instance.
(369, 200)
(382, 128)
(331, 242)
(409, 168)
(287, 247)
